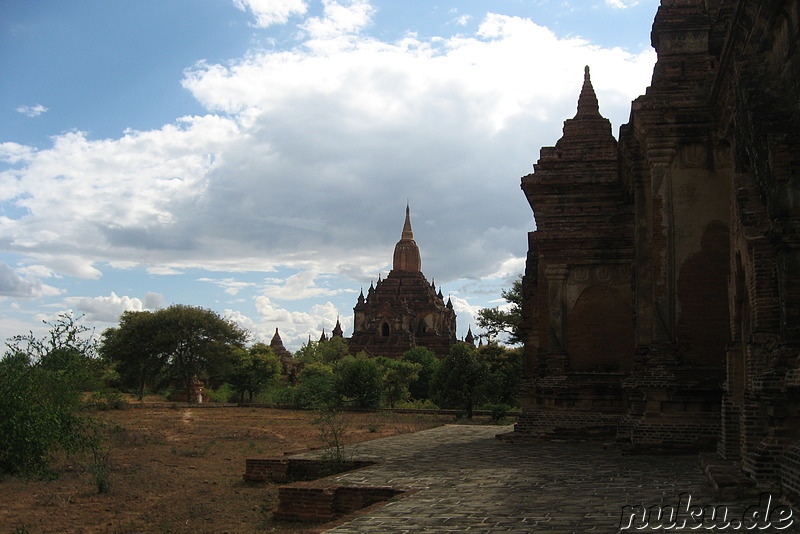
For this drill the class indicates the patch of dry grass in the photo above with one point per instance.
(179, 470)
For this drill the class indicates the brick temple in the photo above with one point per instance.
(662, 286)
(403, 310)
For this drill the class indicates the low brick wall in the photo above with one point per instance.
(295, 469)
(266, 470)
(325, 500)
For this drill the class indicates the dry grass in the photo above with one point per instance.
(176, 470)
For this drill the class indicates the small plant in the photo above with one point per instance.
(21, 529)
(332, 428)
(498, 412)
(107, 399)
(372, 429)
(264, 512)
(99, 456)
(194, 452)
(101, 468)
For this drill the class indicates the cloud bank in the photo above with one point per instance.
(306, 156)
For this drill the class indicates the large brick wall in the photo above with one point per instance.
(700, 201)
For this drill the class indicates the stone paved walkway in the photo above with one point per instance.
(468, 481)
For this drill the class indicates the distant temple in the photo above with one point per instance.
(403, 310)
(277, 346)
(289, 367)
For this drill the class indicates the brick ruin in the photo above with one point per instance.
(662, 291)
(403, 310)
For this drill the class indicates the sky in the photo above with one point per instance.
(255, 157)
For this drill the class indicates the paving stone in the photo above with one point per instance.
(465, 480)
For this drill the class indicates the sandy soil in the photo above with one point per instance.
(178, 469)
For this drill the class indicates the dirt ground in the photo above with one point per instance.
(178, 469)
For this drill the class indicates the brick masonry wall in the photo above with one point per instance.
(290, 469)
(315, 501)
(790, 472)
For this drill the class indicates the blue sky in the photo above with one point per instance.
(255, 156)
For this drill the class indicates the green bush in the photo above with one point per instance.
(498, 412)
(36, 417)
(359, 380)
(224, 393)
(426, 404)
(107, 399)
(41, 381)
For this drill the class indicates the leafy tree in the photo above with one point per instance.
(506, 320)
(503, 373)
(419, 387)
(187, 341)
(308, 353)
(330, 351)
(132, 347)
(69, 349)
(334, 349)
(457, 382)
(397, 377)
(253, 370)
(39, 393)
(316, 387)
(359, 379)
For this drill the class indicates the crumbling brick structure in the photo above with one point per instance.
(662, 290)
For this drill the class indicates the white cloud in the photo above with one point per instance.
(13, 284)
(12, 153)
(245, 322)
(296, 326)
(621, 4)
(269, 12)
(32, 111)
(306, 157)
(104, 309)
(465, 312)
(297, 287)
(230, 285)
(339, 19)
(152, 300)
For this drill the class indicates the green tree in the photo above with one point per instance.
(189, 341)
(253, 369)
(503, 373)
(316, 387)
(39, 393)
(457, 382)
(133, 349)
(397, 377)
(419, 388)
(359, 379)
(330, 351)
(334, 349)
(308, 353)
(506, 320)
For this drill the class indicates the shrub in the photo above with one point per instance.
(40, 391)
(498, 412)
(107, 399)
(359, 380)
(36, 418)
(426, 404)
(224, 393)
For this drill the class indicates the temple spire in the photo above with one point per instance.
(407, 232)
(587, 102)
(406, 251)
